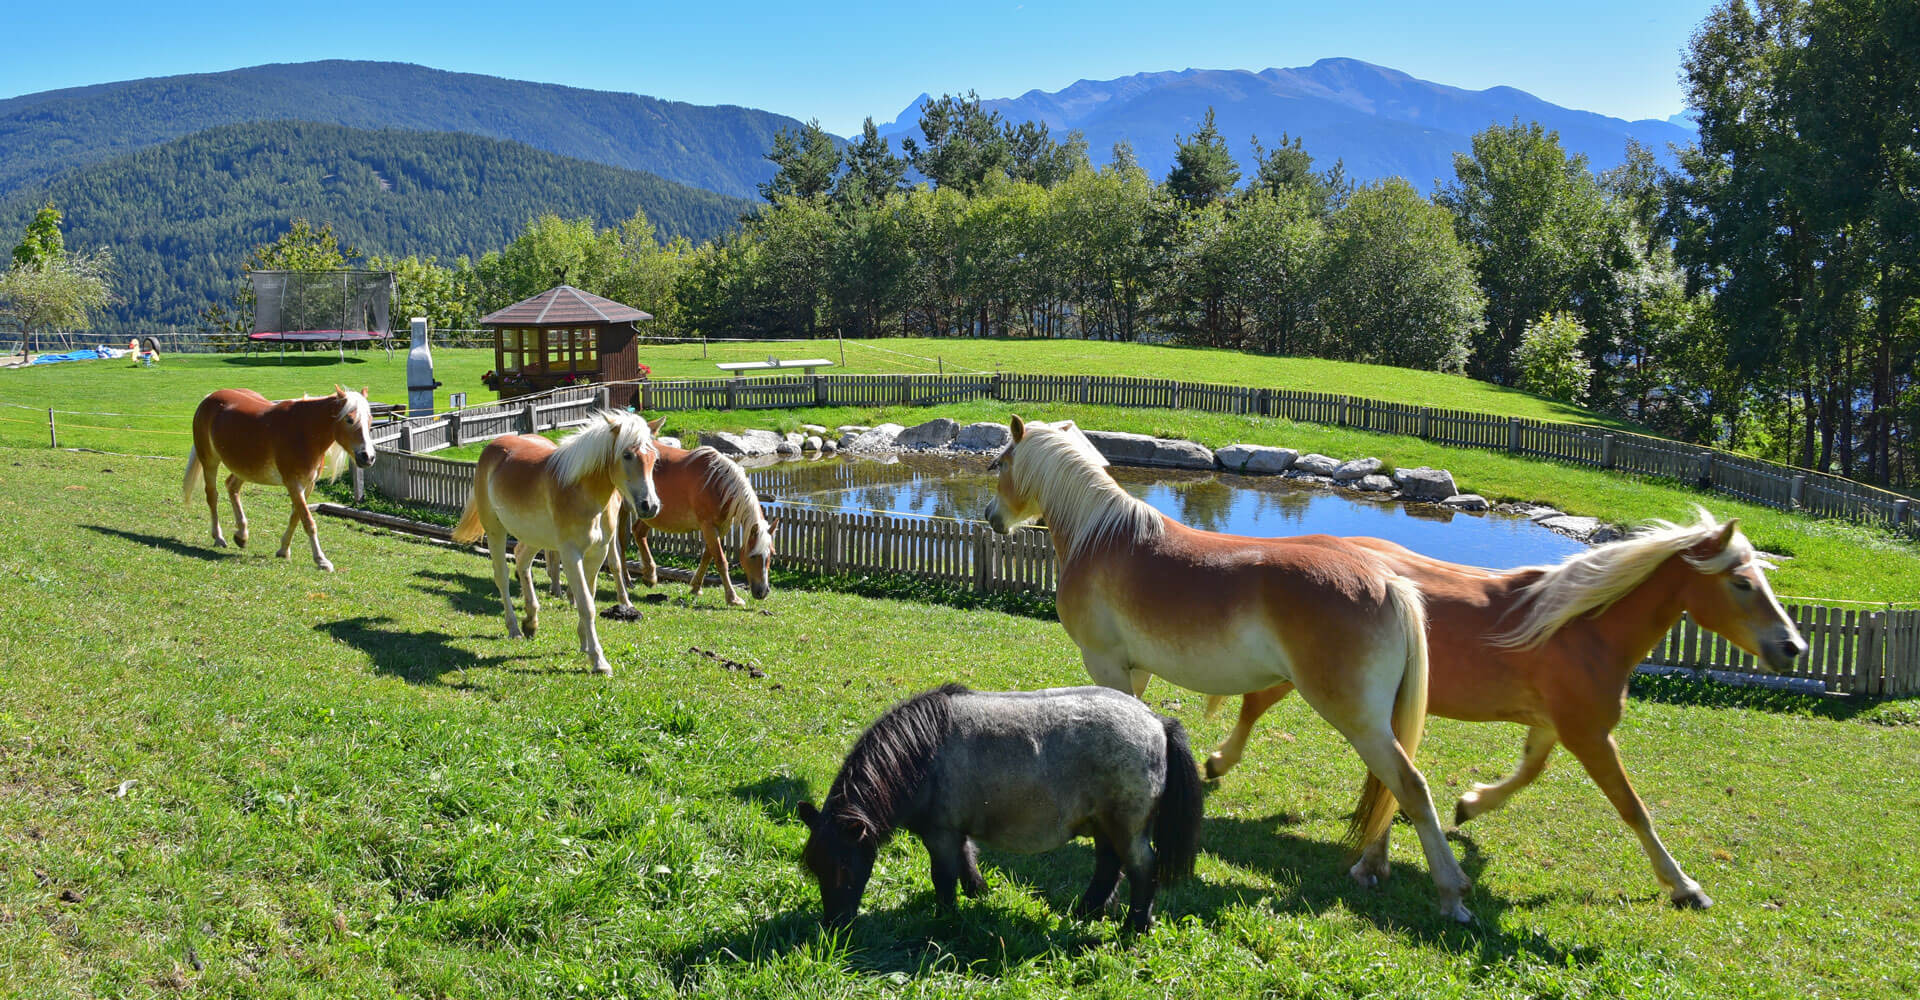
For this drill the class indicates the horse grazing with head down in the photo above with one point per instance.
(705, 491)
(1553, 647)
(291, 443)
(1142, 594)
(1020, 771)
(563, 497)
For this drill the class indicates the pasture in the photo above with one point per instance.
(229, 775)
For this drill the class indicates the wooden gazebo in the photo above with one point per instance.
(564, 335)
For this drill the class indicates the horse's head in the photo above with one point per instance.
(353, 430)
(756, 554)
(1016, 496)
(1727, 593)
(633, 438)
(840, 859)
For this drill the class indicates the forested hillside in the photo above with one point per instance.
(719, 148)
(180, 217)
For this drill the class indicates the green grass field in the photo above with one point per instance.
(223, 774)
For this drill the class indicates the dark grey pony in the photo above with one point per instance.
(1019, 771)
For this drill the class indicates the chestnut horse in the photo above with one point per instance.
(564, 497)
(1142, 594)
(291, 443)
(1552, 648)
(705, 491)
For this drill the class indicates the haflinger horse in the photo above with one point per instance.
(565, 498)
(1552, 648)
(1020, 771)
(291, 443)
(705, 491)
(1142, 594)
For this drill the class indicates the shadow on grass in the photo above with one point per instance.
(776, 795)
(207, 553)
(471, 593)
(1678, 690)
(415, 657)
(292, 359)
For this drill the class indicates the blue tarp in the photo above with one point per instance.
(86, 354)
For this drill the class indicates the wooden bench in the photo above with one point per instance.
(739, 368)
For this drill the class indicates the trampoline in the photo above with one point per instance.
(320, 307)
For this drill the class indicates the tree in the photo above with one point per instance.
(1204, 171)
(1543, 236)
(1039, 160)
(61, 292)
(873, 172)
(422, 286)
(42, 241)
(1399, 287)
(1549, 362)
(807, 161)
(961, 146)
(1288, 167)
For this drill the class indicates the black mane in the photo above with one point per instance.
(889, 763)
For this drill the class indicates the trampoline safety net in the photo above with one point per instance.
(342, 301)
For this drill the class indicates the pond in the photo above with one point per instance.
(1263, 506)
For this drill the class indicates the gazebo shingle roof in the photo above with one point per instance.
(564, 306)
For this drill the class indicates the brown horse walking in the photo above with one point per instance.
(290, 443)
(1142, 594)
(705, 491)
(1552, 648)
(563, 497)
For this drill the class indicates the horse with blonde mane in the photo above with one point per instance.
(705, 491)
(291, 443)
(1553, 647)
(1142, 594)
(563, 497)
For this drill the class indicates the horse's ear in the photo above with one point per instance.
(1725, 538)
(653, 426)
(808, 814)
(1067, 425)
(1018, 427)
(773, 523)
(366, 390)
(612, 421)
(339, 390)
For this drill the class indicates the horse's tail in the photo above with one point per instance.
(1374, 813)
(196, 474)
(469, 530)
(1176, 824)
(334, 462)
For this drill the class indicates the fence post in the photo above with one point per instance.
(982, 559)
(831, 557)
(53, 432)
(996, 385)
(1606, 451)
(529, 418)
(733, 392)
(1176, 395)
(1796, 493)
(453, 429)
(1266, 402)
(406, 435)
(1513, 433)
(1870, 660)
(1086, 387)
(819, 390)
(906, 391)
(359, 484)
(1706, 468)
(1902, 510)
(1343, 411)
(1426, 422)
(603, 398)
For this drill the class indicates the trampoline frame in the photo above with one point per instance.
(338, 338)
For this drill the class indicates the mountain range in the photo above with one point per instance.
(1378, 122)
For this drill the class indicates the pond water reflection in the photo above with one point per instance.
(1264, 506)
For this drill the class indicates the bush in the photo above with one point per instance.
(1549, 361)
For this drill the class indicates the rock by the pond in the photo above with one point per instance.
(1571, 524)
(1466, 501)
(846, 429)
(936, 433)
(879, 438)
(1315, 464)
(1539, 514)
(812, 443)
(1255, 459)
(1425, 483)
(983, 436)
(814, 429)
(829, 445)
(1139, 449)
(787, 448)
(1375, 483)
(1350, 471)
(795, 438)
(671, 442)
(745, 444)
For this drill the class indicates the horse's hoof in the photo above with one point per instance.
(1456, 911)
(738, 602)
(1460, 813)
(240, 540)
(1215, 768)
(325, 566)
(603, 669)
(1695, 900)
(526, 632)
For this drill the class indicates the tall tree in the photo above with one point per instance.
(961, 146)
(42, 242)
(807, 161)
(1400, 287)
(1289, 167)
(1204, 171)
(49, 288)
(873, 172)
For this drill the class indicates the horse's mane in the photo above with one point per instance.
(890, 762)
(608, 433)
(1591, 581)
(739, 504)
(353, 411)
(1082, 502)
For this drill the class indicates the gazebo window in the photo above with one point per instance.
(510, 350)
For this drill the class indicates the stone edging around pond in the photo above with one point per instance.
(1362, 475)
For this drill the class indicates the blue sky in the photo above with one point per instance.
(842, 62)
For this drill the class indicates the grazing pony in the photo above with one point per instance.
(703, 490)
(291, 443)
(563, 497)
(1552, 648)
(1143, 594)
(1018, 771)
